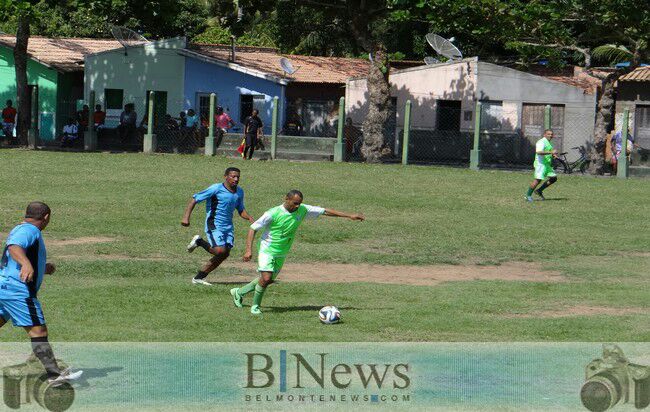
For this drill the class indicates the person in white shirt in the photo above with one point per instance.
(70, 133)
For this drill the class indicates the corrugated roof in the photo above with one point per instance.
(640, 74)
(310, 69)
(62, 54)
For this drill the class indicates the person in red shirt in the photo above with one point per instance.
(8, 120)
(99, 117)
(223, 122)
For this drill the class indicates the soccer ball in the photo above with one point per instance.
(329, 315)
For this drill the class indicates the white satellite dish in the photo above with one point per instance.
(287, 66)
(431, 60)
(444, 47)
(370, 58)
(127, 37)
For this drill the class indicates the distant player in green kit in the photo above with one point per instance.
(280, 224)
(544, 154)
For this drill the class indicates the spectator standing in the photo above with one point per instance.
(127, 126)
(617, 148)
(223, 122)
(8, 120)
(253, 130)
(82, 120)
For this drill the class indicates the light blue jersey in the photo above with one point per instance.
(220, 205)
(28, 237)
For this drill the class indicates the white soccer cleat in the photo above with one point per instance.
(67, 375)
(200, 282)
(193, 245)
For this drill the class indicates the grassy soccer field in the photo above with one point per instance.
(123, 272)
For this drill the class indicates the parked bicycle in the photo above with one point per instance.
(560, 163)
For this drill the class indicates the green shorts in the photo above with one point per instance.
(268, 263)
(543, 171)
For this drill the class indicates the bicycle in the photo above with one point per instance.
(582, 163)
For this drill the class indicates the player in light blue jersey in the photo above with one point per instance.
(221, 201)
(22, 267)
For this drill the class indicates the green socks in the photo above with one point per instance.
(530, 191)
(259, 293)
(248, 288)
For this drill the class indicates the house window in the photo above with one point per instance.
(642, 126)
(532, 119)
(114, 98)
(448, 115)
(491, 115)
(203, 106)
(248, 102)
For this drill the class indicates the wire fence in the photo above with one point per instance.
(506, 138)
(493, 135)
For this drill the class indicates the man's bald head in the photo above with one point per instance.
(38, 213)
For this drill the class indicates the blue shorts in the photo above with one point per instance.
(22, 312)
(221, 239)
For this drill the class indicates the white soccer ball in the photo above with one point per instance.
(329, 315)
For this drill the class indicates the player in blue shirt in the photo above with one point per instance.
(221, 200)
(22, 267)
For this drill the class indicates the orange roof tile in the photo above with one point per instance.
(63, 54)
(310, 69)
(640, 74)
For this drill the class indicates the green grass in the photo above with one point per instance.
(595, 232)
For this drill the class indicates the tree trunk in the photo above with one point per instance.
(22, 90)
(374, 144)
(604, 113)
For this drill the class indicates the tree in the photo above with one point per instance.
(587, 32)
(23, 10)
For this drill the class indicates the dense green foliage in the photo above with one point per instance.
(512, 31)
(136, 287)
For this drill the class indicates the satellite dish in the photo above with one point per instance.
(127, 37)
(287, 66)
(431, 60)
(444, 47)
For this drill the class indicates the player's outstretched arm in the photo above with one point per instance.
(244, 214)
(351, 216)
(185, 221)
(248, 255)
(26, 270)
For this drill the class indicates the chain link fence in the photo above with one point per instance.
(506, 137)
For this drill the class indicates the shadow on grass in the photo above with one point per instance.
(230, 283)
(551, 199)
(306, 308)
(95, 373)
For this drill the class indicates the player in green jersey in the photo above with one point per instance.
(544, 154)
(280, 224)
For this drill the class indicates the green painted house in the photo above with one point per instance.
(55, 74)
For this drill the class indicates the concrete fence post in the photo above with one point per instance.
(547, 117)
(338, 146)
(475, 154)
(622, 168)
(407, 132)
(90, 136)
(210, 147)
(274, 127)
(149, 144)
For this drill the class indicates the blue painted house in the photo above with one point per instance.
(244, 78)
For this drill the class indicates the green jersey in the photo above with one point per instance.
(543, 145)
(281, 227)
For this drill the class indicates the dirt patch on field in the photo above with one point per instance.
(109, 257)
(79, 241)
(581, 311)
(409, 275)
